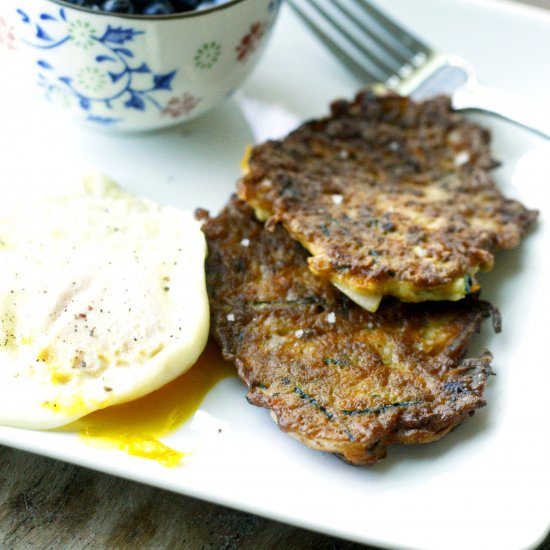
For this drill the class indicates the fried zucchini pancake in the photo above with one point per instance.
(336, 377)
(391, 197)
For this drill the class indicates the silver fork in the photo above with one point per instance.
(379, 50)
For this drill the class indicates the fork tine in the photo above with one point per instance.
(363, 38)
(401, 35)
(338, 49)
(346, 30)
(397, 55)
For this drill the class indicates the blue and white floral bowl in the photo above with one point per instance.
(136, 73)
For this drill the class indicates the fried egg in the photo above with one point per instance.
(102, 300)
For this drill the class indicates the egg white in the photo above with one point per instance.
(102, 300)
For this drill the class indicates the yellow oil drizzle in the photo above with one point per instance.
(136, 427)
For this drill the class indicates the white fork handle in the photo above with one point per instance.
(521, 111)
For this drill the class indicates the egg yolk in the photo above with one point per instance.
(136, 427)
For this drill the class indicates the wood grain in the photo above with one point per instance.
(46, 504)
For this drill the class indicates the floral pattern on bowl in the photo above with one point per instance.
(108, 74)
(7, 36)
(138, 74)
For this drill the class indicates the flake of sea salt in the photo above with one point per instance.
(461, 158)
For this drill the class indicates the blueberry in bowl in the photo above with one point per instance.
(135, 65)
(145, 7)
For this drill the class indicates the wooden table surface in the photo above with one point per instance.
(49, 504)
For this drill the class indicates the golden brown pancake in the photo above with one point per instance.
(336, 377)
(390, 197)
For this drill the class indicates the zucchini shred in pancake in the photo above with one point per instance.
(336, 377)
(391, 197)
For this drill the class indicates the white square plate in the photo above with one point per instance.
(486, 485)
